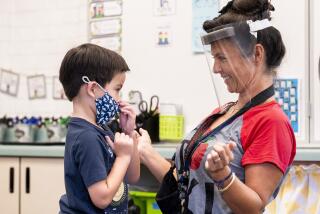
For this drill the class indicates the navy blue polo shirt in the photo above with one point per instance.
(88, 159)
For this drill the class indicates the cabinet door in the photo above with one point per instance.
(315, 70)
(292, 21)
(42, 184)
(9, 185)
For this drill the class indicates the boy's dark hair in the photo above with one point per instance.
(242, 10)
(93, 61)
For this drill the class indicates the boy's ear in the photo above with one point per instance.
(90, 88)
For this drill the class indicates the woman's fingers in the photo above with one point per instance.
(213, 162)
(223, 154)
(143, 132)
(220, 156)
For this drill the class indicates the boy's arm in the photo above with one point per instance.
(102, 192)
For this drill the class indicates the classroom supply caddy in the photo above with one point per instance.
(171, 127)
(171, 122)
(146, 202)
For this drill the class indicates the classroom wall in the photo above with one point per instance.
(5, 32)
(174, 73)
(39, 34)
(41, 31)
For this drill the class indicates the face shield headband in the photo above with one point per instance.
(228, 31)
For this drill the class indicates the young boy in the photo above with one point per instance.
(96, 161)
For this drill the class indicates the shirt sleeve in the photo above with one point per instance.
(89, 158)
(269, 140)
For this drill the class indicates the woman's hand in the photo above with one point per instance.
(144, 143)
(127, 117)
(219, 159)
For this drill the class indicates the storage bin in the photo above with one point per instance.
(171, 127)
(146, 202)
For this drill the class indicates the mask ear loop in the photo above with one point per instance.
(86, 79)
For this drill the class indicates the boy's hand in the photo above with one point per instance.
(127, 117)
(122, 145)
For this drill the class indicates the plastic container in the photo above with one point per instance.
(171, 127)
(146, 202)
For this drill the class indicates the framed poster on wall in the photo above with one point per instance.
(36, 86)
(57, 89)
(9, 82)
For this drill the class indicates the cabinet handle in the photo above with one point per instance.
(319, 68)
(28, 180)
(11, 180)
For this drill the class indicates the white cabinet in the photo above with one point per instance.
(42, 184)
(38, 185)
(9, 185)
(315, 70)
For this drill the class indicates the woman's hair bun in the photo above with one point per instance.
(252, 7)
(255, 8)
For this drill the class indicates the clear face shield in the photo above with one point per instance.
(230, 54)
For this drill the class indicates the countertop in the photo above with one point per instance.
(304, 152)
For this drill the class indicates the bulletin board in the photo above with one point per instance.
(286, 93)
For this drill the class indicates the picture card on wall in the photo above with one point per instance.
(164, 7)
(105, 9)
(36, 86)
(105, 27)
(9, 82)
(163, 35)
(58, 91)
(112, 43)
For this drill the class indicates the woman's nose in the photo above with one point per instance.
(216, 68)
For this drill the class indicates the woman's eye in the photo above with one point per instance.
(222, 59)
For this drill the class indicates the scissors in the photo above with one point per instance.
(143, 107)
(135, 96)
(154, 105)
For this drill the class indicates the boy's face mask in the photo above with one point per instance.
(106, 107)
